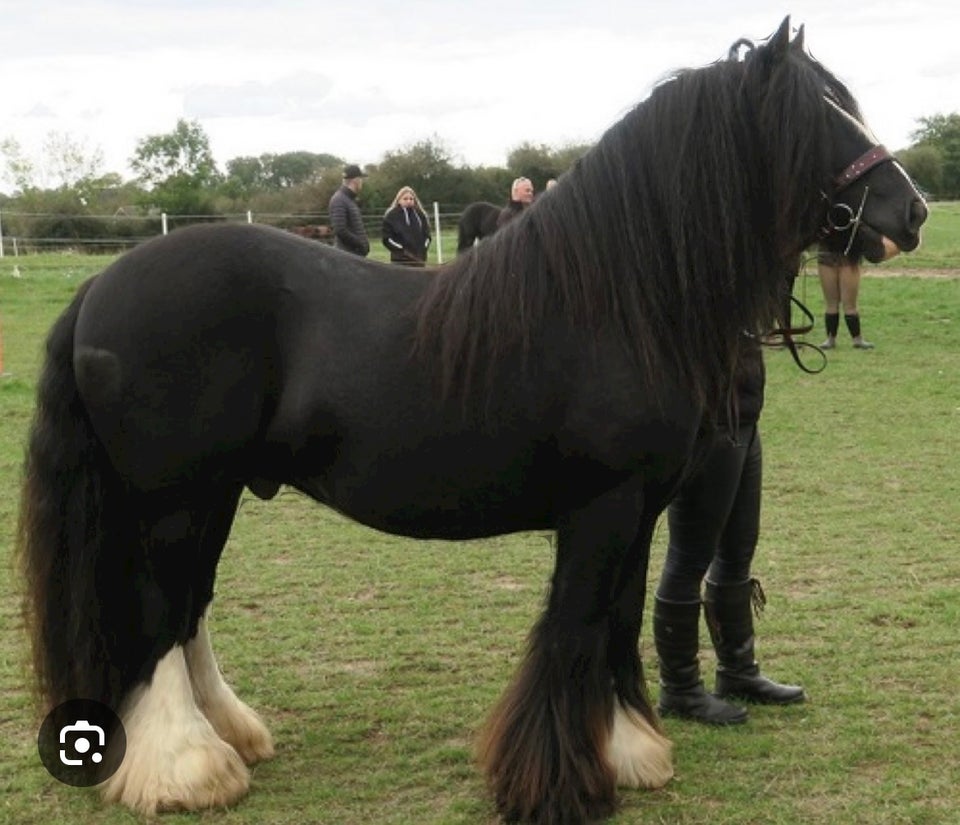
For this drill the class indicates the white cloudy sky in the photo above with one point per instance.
(357, 78)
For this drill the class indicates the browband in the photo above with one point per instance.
(862, 165)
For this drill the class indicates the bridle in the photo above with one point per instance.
(839, 218)
(842, 217)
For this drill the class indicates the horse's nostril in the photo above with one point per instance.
(918, 214)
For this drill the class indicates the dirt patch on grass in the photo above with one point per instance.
(904, 272)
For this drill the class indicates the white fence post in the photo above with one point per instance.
(436, 223)
(163, 222)
(249, 216)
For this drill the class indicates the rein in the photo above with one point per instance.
(786, 335)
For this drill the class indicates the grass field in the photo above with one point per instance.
(374, 659)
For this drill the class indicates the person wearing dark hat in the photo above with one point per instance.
(346, 221)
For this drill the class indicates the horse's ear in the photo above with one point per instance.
(797, 44)
(780, 41)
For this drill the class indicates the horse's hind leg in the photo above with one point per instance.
(175, 758)
(234, 721)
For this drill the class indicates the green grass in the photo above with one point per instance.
(374, 659)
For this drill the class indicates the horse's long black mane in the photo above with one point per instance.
(676, 232)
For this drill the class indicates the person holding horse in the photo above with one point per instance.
(714, 525)
(346, 220)
(406, 230)
(521, 196)
(840, 282)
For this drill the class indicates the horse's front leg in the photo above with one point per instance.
(639, 752)
(553, 746)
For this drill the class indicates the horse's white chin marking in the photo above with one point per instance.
(175, 760)
(890, 249)
(640, 755)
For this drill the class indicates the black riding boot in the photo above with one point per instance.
(729, 611)
(676, 631)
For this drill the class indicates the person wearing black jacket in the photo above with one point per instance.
(406, 230)
(346, 220)
(714, 526)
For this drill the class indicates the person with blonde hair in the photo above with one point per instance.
(406, 230)
(521, 196)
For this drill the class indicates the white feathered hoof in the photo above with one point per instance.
(240, 726)
(174, 760)
(234, 720)
(641, 756)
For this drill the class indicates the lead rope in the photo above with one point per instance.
(795, 347)
(784, 336)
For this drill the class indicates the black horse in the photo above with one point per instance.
(477, 221)
(559, 376)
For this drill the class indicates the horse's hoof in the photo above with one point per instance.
(243, 728)
(640, 755)
(206, 774)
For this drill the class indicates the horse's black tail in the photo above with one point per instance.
(70, 515)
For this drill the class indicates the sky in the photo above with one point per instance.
(359, 78)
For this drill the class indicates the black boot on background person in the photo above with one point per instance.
(676, 632)
(729, 611)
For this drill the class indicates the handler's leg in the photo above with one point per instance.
(829, 271)
(696, 517)
(849, 298)
(731, 595)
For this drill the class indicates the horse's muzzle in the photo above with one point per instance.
(887, 248)
(890, 249)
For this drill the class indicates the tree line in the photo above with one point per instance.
(933, 159)
(67, 196)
